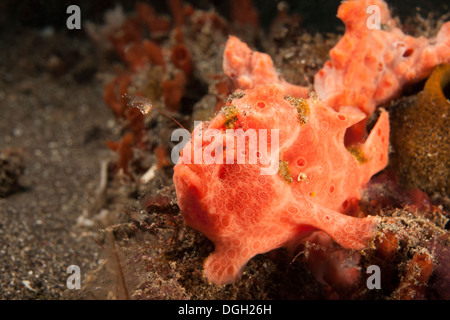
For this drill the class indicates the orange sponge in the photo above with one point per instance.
(370, 65)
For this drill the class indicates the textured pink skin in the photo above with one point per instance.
(245, 213)
(247, 69)
(368, 67)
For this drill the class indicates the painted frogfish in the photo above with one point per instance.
(244, 210)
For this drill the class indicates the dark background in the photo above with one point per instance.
(318, 15)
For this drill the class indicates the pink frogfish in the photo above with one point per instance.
(245, 212)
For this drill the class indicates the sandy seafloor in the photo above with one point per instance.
(53, 115)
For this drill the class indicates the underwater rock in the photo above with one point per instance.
(420, 137)
(11, 169)
(440, 283)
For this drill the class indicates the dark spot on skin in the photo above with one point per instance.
(357, 153)
(283, 171)
(302, 107)
(235, 95)
(231, 116)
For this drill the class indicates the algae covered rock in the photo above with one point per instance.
(420, 137)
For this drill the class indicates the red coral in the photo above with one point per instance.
(137, 126)
(415, 280)
(129, 32)
(181, 58)
(161, 155)
(173, 91)
(124, 150)
(176, 7)
(136, 56)
(243, 13)
(148, 15)
(208, 18)
(114, 94)
(154, 53)
(387, 246)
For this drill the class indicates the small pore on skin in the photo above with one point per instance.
(231, 116)
(302, 107)
(283, 171)
(357, 154)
